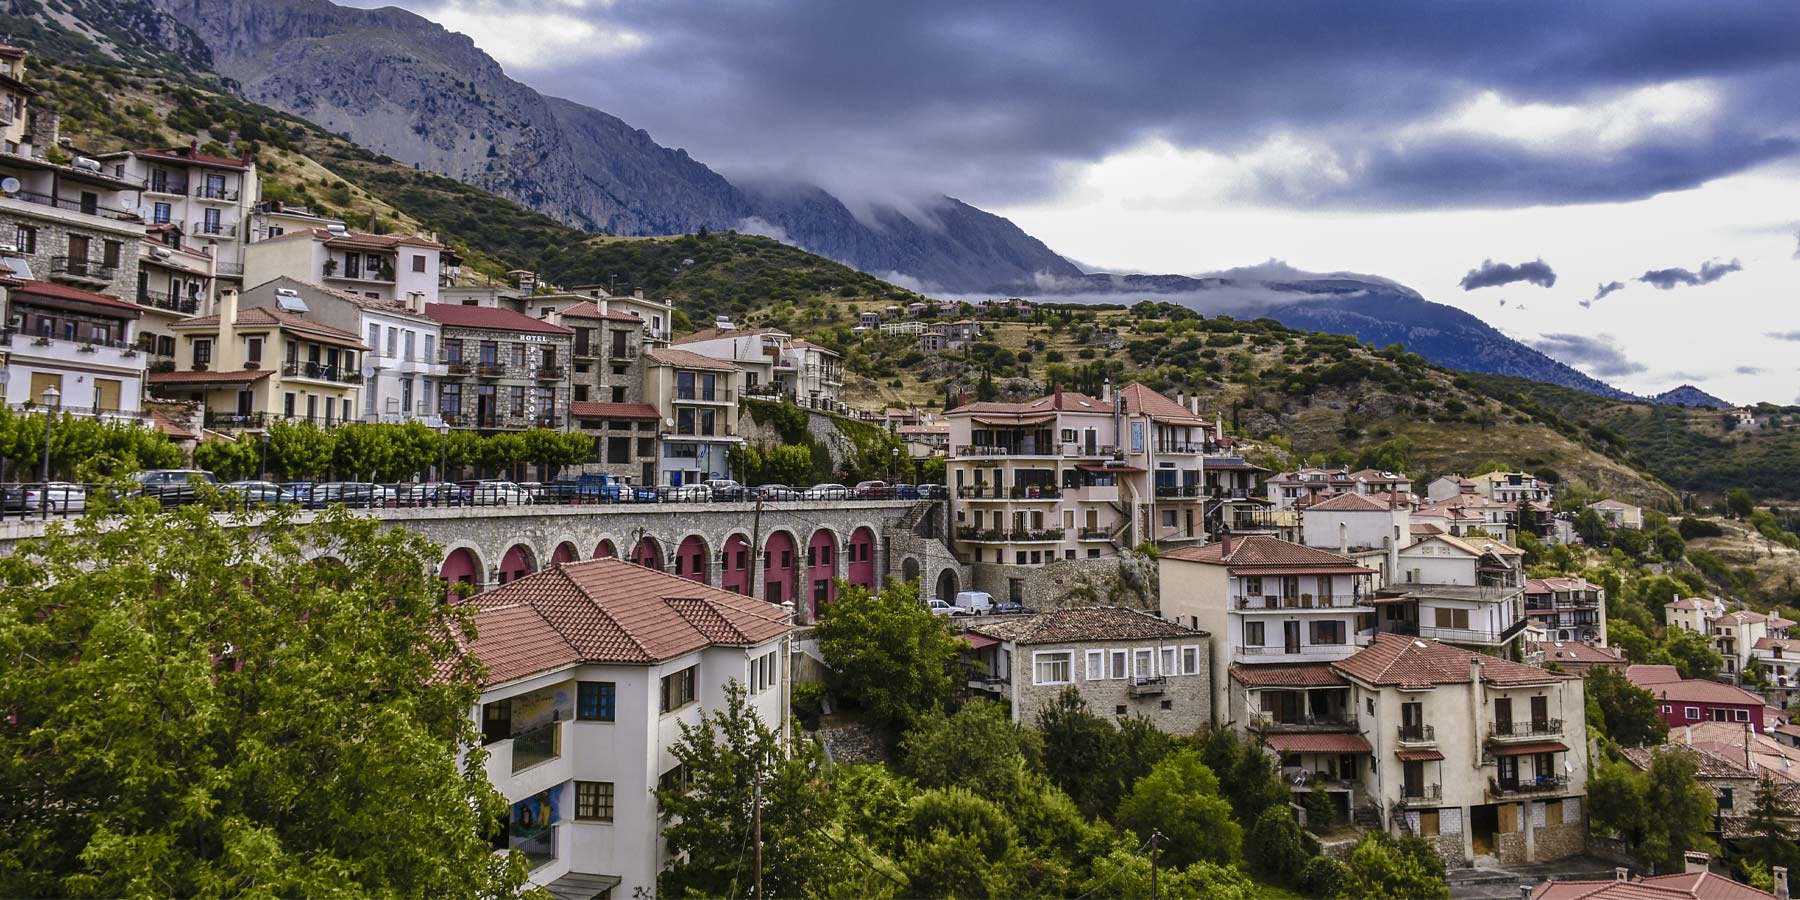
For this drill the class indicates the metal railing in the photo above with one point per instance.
(1034, 492)
(1000, 536)
(1146, 685)
(339, 272)
(1417, 734)
(81, 267)
(1307, 720)
(536, 745)
(1421, 794)
(228, 268)
(221, 229)
(1542, 728)
(1178, 490)
(716, 395)
(1543, 784)
(237, 420)
(208, 192)
(81, 206)
(322, 372)
(166, 186)
(549, 373)
(1094, 534)
(166, 300)
(1302, 601)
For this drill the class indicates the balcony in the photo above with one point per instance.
(1303, 653)
(458, 367)
(1505, 731)
(81, 270)
(166, 186)
(219, 421)
(229, 269)
(1034, 492)
(167, 301)
(1094, 534)
(1421, 795)
(1178, 491)
(489, 370)
(549, 373)
(210, 192)
(1417, 735)
(1097, 493)
(85, 207)
(1302, 602)
(536, 746)
(1185, 447)
(332, 272)
(320, 372)
(212, 229)
(115, 354)
(1147, 686)
(1459, 635)
(1016, 536)
(716, 395)
(1308, 722)
(1544, 784)
(621, 354)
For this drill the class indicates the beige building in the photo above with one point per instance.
(694, 395)
(1123, 661)
(203, 198)
(390, 267)
(249, 366)
(15, 98)
(1466, 592)
(1618, 514)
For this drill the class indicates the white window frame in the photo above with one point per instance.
(1143, 662)
(1118, 664)
(1168, 661)
(1190, 659)
(1692, 713)
(1096, 665)
(1041, 657)
(1740, 715)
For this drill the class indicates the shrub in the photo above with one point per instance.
(1322, 876)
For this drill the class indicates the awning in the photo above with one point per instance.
(1013, 420)
(1319, 743)
(1384, 601)
(978, 641)
(1108, 470)
(1418, 755)
(578, 886)
(1529, 749)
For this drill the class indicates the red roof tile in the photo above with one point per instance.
(249, 376)
(64, 292)
(492, 318)
(687, 359)
(708, 334)
(1531, 749)
(1707, 886)
(1319, 743)
(1261, 550)
(588, 409)
(1295, 675)
(1581, 654)
(1419, 755)
(1066, 401)
(189, 155)
(263, 316)
(1140, 399)
(1392, 659)
(1349, 503)
(1691, 690)
(588, 309)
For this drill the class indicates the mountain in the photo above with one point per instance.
(1688, 395)
(1376, 311)
(406, 88)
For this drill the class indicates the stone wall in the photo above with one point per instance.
(1127, 580)
(1558, 841)
(1448, 844)
(510, 376)
(1184, 706)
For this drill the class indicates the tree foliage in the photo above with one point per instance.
(1382, 868)
(200, 707)
(1658, 813)
(1180, 799)
(1629, 714)
(888, 653)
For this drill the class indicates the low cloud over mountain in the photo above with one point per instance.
(1493, 274)
(1600, 354)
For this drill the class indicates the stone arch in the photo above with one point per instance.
(778, 570)
(462, 565)
(648, 553)
(909, 569)
(821, 569)
(691, 558)
(564, 554)
(947, 585)
(606, 549)
(518, 561)
(737, 564)
(859, 557)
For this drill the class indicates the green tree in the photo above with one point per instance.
(233, 460)
(1389, 456)
(1252, 778)
(458, 450)
(299, 451)
(1320, 811)
(1274, 846)
(887, 653)
(362, 452)
(1079, 752)
(201, 707)
(1124, 874)
(1380, 868)
(728, 754)
(1771, 841)
(1322, 877)
(1628, 713)
(1180, 799)
(978, 748)
(1660, 813)
(1690, 652)
(1740, 503)
(1668, 543)
(1591, 527)
(1632, 641)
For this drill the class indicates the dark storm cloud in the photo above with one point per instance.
(1601, 291)
(1669, 279)
(1599, 354)
(987, 101)
(1493, 274)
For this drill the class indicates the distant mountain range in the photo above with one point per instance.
(1688, 395)
(403, 86)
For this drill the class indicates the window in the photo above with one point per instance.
(1726, 798)
(1253, 586)
(518, 356)
(1428, 823)
(1096, 665)
(1667, 709)
(676, 779)
(253, 350)
(374, 336)
(594, 701)
(1553, 812)
(1253, 634)
(1451, 618)
(678, 689)
(1693, 714)
(593, 799)
(516, 396)
(1190, 660)
(393, 336)
(109, 254)
(1331, 632)
(202, 351)
(1169, 662)
(1142, 663)
(1052, 667)
(1740, 715)
(418, 262)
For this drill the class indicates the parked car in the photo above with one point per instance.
(1012, 609)
(536, 491)
(826, 492)
(775, 492)
(354, 494)
(296, 492)
(685, 493)
(429, 493)
(933, 492)
(255, 492)
(594, 487)
(724, 489)
(172, 487)
(976, 602)
(940, 608)
(498, 493)
(873, 490)
(59, 496)
(906, 492)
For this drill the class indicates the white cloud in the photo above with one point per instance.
(1606, 125)
(523, 38)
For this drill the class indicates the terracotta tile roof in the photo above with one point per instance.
(1687, 603)
(1391, 659)
(1425, 528)
(1643, 890)
(1257, 550)
(359, 238)
(1707, 764)
(375, 304)
(189, 155)
(1557, 585)
(588, 309)
(1693, 690)
(587, 409)
(1741, 617)
(1581, 654)
(1787, 645)
(1348, 502)
(1641, 675)
(707, 334)
(1487, 545)
(64, 292)
(1419, 755)
(1707, 886)
(250, 376)
(610, 611)
(1294, 675)
(1319, 743)
(1140, 399)
(492, 318)
(809, 345)
(262, 316)
(687, 359)
(1065, 401)
(1093, 623)
(168, 427)
(1379, 477)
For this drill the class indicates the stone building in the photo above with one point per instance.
(627, 437)
(503, 370)
(174, 284)
(608, 353)
(1123, 662)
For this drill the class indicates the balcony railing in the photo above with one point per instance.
(82, 268)
(1417, 734)
(217, 420)
(229, 268)
(628, 352)
(489, 370)
(998, 536)
(1178, 490)
(209, 192)
(1307, 721)
(716, 395)
(1034, 492)
(321, 372)
(1543, 728)
(1544, 784)
(1147, 686)
(166, 300)
(339, 273)
(219, 229)
(76, 205)
(1422, 795)
(1094, 534)
(1302, 601)
(1459, 635)
(549, 373)
(166, 186)
(537, 745)
(1185, 447)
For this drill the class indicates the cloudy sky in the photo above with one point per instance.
(1617, 184)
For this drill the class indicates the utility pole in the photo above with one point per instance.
(755, 573)
(756, 806)
(1155, 836)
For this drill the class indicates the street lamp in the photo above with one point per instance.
(443, 452)
(896, 478)
(52, 399)
(263, 439)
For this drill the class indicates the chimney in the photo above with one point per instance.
(226, 357)
(1525, 891)
(1225, 543)
(1696, 861)
(1106, 390)
(1478, 702)
(1781, 882)
(1343, 538)
(1195, 401)
(638, 294)
(1621, 874)
(1057, 403)
(602, 303)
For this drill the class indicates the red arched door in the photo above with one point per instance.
(778, 568)
(690, 559)
(734, 565)
(860, 564)
(647, 554)
(605, 550)
(565, 554)
(460, 567)
(821, 566)
(516, 564)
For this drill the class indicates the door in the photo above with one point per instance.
(1484, 821)
(78, 254)
(1540, 714)
(1412, 720)
(244, 403)
(1414, 779)
(1509, 772)
(496, 721)
(1503, 723)
(1290, 637)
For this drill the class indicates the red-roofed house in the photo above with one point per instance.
(505, 371)
(1570, 609)
(207, 199)
(77, 344)
(1688, 701)
(1696, 883)
(394, 267)
(591, 669)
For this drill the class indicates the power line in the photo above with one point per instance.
(1116, 872)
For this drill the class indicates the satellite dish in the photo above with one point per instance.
(128, 202)
(368, 371)
(669, 422)
(9, 184)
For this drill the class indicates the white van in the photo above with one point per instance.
(978, 603)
